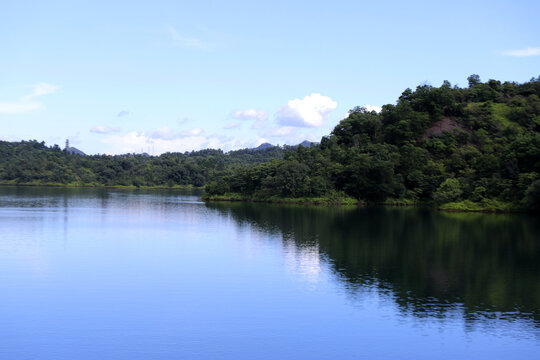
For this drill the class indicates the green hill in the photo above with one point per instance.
(33, 163)
(475, 148)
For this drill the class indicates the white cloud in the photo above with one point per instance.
(291, 135)
(311, 111)
(123, 113)
(9, 138)
(530, 51)
(231, 126)
(164, 133)
(27, 103)
(375, 108)
(282, 131)
(259, 124)
(135, 141)
(261, 141)
(19, 107)
(227, 143)
(40, 90)
(100, 129)
(260, 117)
(250, 114)
(161, 141)
(192, 132)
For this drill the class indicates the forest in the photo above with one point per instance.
(457, 148)
(34, 163)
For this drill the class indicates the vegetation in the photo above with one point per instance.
(475, 148)
(333, 199)
(486, 205)
(33, 163)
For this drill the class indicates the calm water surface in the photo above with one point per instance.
(108, 274)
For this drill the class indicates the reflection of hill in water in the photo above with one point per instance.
(431, 262)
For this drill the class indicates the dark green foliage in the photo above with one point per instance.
(449, 190)
(440, 145)
(532, 196)
(436, 144)
(31, 162)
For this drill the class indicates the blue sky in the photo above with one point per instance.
(157, 76)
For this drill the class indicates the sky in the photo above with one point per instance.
(156, 76)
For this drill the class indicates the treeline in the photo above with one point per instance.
(32, 162)
(444, 144)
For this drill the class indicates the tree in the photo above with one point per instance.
(473, 80)
(449, 190)
(532, 196)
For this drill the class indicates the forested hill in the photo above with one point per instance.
(478, 145)
(33, 163)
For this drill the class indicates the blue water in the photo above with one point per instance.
(108, 274)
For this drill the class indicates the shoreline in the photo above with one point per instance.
(325, 201)
(90, 186)
(466, 206)
(486, 206)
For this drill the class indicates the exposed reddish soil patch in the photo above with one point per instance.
(438, 127)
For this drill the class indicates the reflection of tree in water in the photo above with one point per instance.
(431, 262)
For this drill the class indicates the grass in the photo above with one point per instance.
(486, 205)
(326, 200)
(500, 113)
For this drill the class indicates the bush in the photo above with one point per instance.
(449, 190)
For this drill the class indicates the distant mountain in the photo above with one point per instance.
(264, 146)
(306, 143)
(460, 149)
(74, 150)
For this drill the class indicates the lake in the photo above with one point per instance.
(111, 274)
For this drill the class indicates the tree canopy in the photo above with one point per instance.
(32, 162)
(436, 144)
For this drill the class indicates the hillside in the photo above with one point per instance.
(459, 148)
(33, 163)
